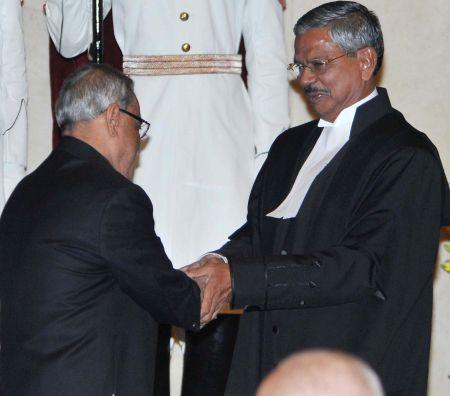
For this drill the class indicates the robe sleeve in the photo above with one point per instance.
(69, 23)
(267, 72)
(395, 228)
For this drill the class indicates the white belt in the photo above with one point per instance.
(159, 65)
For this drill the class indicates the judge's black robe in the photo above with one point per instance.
(353, 270)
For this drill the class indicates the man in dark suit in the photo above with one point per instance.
(343, 221)
(84, 278)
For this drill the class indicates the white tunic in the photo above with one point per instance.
(13, 98)
(199, 164)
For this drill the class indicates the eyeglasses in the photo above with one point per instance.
(144, 126)
(317, 67)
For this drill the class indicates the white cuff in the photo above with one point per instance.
(214, 255)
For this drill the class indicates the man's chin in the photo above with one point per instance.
(321, 111)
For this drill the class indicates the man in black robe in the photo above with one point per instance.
(343, 223)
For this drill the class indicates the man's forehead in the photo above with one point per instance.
(314, 41)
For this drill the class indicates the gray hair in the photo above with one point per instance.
(88, 92)
(351, 26)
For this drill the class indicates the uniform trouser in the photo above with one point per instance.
(207, 358)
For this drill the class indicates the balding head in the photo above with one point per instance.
(97, 105)
(321, 373)
(87, 93)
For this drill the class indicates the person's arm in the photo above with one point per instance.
(139, 264)
(406, 191)
(13, 95)
(69, 23)
(267, 80)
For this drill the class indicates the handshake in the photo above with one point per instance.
(212, 275)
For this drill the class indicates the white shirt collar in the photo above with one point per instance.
(347, 115)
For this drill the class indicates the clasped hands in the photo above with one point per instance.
(212, 275)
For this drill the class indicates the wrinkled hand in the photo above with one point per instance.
(213, 274)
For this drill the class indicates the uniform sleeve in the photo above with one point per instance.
(69, 23)
(267, 75)
(240, 243)
(13, 95)
(395, 226)
(138, 262)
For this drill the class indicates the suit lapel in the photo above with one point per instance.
(310, 208)
(282, 226)
(286, 169)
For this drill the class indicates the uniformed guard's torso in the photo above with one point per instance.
(198, 166)
(161, 28)
(13, 95)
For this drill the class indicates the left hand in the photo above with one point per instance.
(217, 291)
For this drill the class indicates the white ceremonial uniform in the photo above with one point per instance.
(13, 99)
(206, 129)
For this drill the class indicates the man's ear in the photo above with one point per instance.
(367, 62)
(113, 118)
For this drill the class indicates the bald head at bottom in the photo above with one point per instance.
(321, 373)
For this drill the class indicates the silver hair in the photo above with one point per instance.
(351, 26)
(88, 92)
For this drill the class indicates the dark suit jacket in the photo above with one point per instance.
(353, 270)
(84, 279)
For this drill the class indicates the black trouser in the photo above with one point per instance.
(207, 359)
(162, 362)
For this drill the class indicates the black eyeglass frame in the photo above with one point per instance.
(314, 66)
(144, 126)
